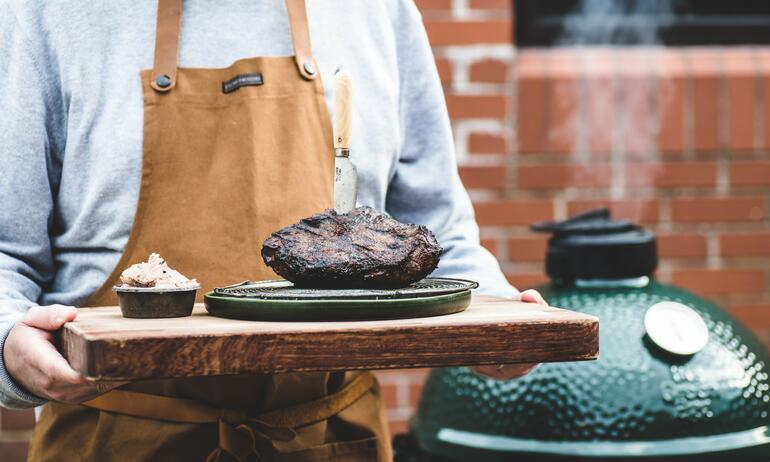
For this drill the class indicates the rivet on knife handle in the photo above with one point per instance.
(345, 176)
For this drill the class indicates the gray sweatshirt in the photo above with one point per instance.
(71, 131)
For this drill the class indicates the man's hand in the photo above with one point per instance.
(512, 371)
(33, 361)
(533, 296)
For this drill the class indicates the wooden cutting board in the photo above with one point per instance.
(101, 344)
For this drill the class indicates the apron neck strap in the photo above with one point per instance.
(300, 36)
(167, 42)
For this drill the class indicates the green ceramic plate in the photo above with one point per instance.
(344, 307)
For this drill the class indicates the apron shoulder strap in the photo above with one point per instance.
(300, 35)
(167, 42)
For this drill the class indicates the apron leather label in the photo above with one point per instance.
(242, 80)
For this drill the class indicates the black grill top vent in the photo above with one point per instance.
(593, 246)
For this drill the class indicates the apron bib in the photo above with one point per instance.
(229, 156)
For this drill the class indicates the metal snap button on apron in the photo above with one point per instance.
(676, 328)
(163, 81)
(309, 68)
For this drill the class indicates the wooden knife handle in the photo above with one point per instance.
(343, 110)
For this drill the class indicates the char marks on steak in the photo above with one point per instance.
(363, 248)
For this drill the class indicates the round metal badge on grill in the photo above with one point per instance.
(676, 328)
(279, 300)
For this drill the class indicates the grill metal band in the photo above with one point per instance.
(284, 290)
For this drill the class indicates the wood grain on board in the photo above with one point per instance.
(101, 344)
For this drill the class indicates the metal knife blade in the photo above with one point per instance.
(345, 184)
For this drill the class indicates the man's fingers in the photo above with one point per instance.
(76, 394)
(533, 296)
(105, 386)
(511, 371)
(35, 363)
(52, 364)
(504, 371)
(50, 317)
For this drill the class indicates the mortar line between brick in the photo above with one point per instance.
(688, 140)
(665, 221)
(759, 103)
(723, 106)
(723, 127)
(618, 152)
(580, 148)
(548, 112)
(713, 257)
(510, 161)
(402, 392)
(723, 186)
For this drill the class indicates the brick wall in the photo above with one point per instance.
(676, 139)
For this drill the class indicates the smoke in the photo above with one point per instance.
(614, 106)
(614, 22)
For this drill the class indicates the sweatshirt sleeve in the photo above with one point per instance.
(426, 188)
(26, 188)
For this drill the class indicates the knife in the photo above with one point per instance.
(345, 176)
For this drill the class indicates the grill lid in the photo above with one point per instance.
(636, 402)
(710, 401)
(593, 246)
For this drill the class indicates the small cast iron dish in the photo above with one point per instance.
(152, 302)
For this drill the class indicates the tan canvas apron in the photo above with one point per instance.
(220, 172)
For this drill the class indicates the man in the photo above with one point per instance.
(103, 165)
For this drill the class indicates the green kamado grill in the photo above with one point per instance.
(677, 378)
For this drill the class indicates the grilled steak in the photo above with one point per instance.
(363, 248)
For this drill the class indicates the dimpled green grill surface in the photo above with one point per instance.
(633, 393)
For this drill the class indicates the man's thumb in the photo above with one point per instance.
(50, 317)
